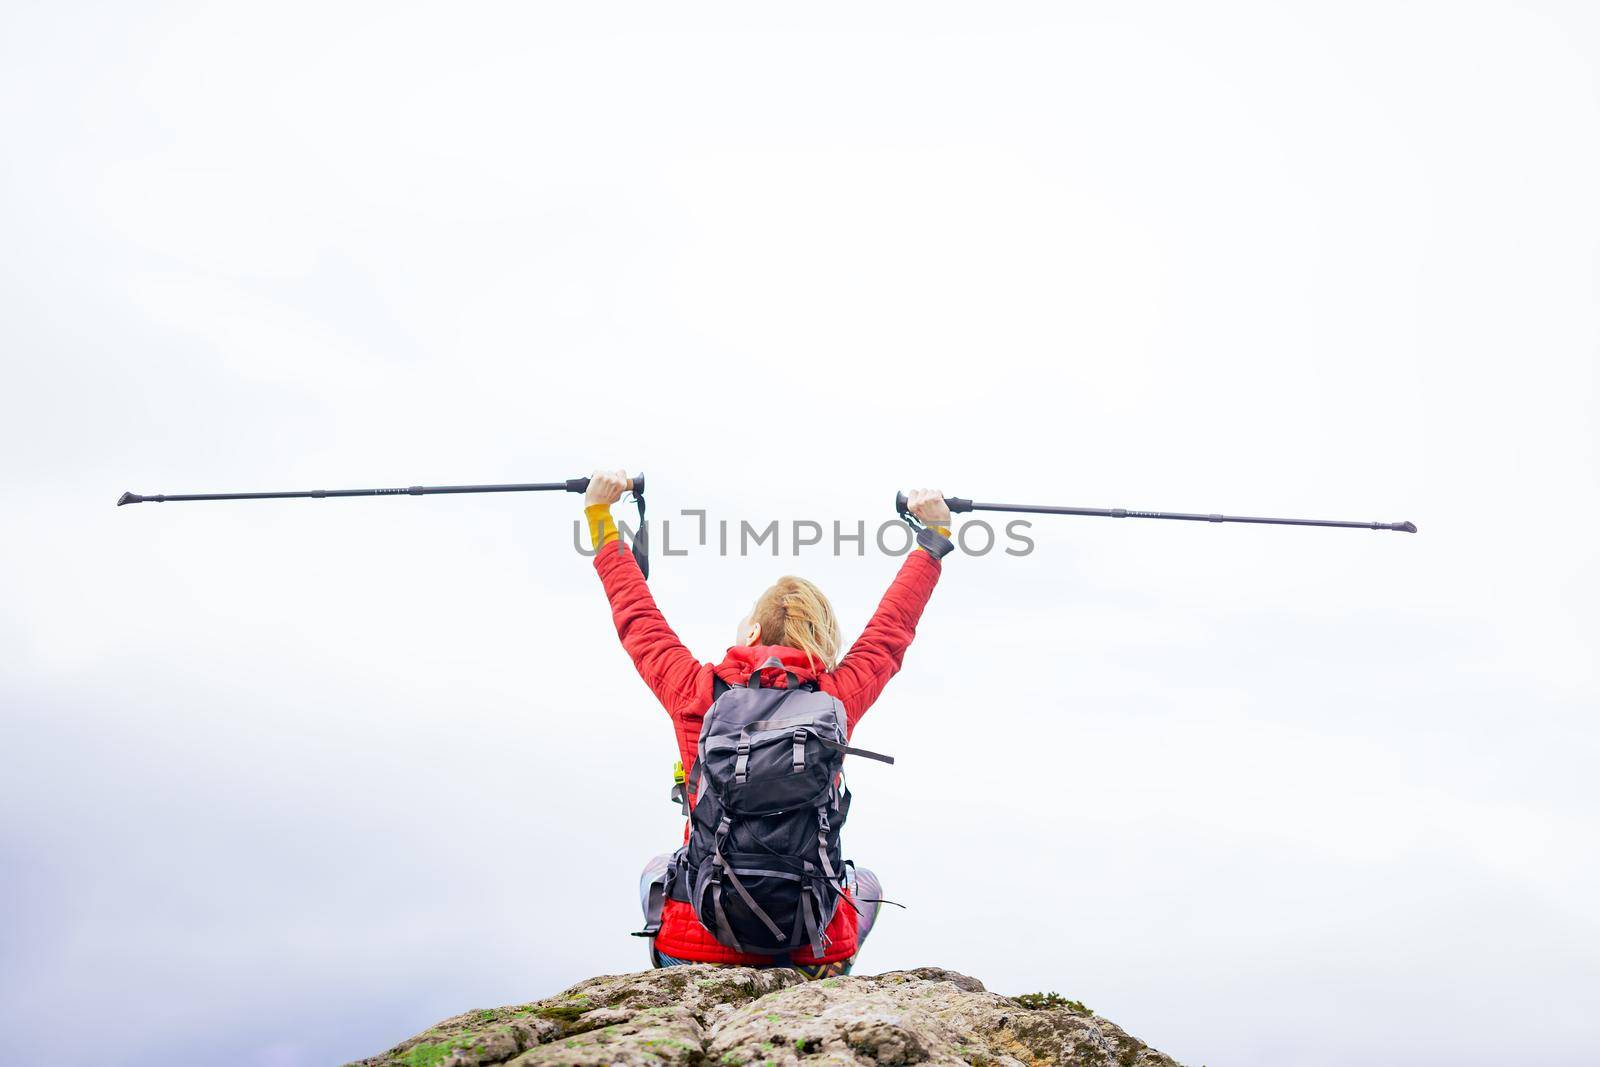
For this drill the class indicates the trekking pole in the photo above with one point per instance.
(571, 485)
(641, 543)
(959, 504)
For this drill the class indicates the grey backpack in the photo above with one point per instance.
(762, 867)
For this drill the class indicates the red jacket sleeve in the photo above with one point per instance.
(679, 681)
(876, 655)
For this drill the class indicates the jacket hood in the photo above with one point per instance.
(736, 666)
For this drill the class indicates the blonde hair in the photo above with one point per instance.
(794, 613)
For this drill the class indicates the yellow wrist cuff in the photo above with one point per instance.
(602, 528)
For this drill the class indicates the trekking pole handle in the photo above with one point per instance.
(956, 504)
(581, 485)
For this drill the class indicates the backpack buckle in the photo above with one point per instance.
(798, 760)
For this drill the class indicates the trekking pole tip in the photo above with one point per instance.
(1405, 527)
(129, 498)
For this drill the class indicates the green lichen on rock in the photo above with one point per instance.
(426, 1055)
(565, 1010)
(1047, 1001)
(704, 1016)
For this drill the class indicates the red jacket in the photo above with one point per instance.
(683, 685)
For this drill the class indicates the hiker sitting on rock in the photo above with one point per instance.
(759, 881)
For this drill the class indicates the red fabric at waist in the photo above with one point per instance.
(684, 936)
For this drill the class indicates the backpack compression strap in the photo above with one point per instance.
(847, 750)
(723, 868)
(801, 732)
(814, 932)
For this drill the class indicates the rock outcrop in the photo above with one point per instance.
(693, 1016)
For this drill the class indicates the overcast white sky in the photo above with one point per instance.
(286, 782)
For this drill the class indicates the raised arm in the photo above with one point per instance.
(667, 667)
(878, 652)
